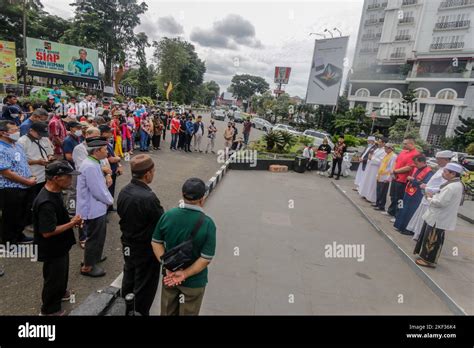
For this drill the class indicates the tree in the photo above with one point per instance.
(141, 42)
(207, 92)
(179, 63)
(397, 132)
(464, 133)
(353, 121)
(107, 26)
(244, 86)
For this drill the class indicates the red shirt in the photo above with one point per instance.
(405, 158)
(57, 133)
(175, 124)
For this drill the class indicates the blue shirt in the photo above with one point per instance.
(7, 112)
(25, 127)
(13, 157)
(56, 94)
(69, 143)
(111, 153)
(93, 196)
(189, 127)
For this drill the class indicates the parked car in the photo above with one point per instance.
(318, 137)
(260, 123)
(467, 162)
(284, 127)
(218, 114)
(237, 117)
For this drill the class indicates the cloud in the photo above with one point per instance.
(170, 25)
(231, 31)
(157, 28)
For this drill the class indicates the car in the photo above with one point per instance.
(318, 137)
(260, 123)
(218, 114)
(467, 162)
(286, 128)
(237, 117)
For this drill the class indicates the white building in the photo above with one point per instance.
(423, 45)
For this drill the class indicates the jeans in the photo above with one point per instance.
(174, 140)
(143, 140)
(246, 138)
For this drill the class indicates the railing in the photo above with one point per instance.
(453, 75)
(453, 25)
(402, 37)
(376, 76)
(368, 50)
(455, 3)
(409, 2)
(367, 37)
(447, 45)
(371, 21)
(377, 6)
(398, 55)
(407, 20)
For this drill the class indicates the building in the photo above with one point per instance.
(423, 45)
(227, 99)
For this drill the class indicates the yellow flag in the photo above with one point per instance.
(168, 90)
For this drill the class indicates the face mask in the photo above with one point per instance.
(14, 136)
(78, 133)
(111, 139)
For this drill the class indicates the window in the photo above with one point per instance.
(422, 93)
(440, 118)
(435, 139)
(362, 92)
(391, 93)
(446, 94)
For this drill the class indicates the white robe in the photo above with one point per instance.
(368, 186)
(360, 172)
(416, 222)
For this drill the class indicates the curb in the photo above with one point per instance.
(452, 305)
(466, 218)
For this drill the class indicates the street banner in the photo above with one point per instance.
(326, 71)
(282, 74)
(60, 59)
(7, 62)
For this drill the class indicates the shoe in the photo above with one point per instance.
(407, 233)
(392, 220)
(67, 296)
(377, 208)
(385, 213)
(60, 313)
(337, 178)
(26, 240)
(95, 272)
(158, 148)
(100, 261)
(200, 151)
(373, 205)
(330, 176)
(213, 152)
(206, 152)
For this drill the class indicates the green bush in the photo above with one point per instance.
(470, 149)
(350, 140)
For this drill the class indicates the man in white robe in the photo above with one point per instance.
(368, 186)
(363, 161)
(433, 186)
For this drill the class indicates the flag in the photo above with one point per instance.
(168, 90)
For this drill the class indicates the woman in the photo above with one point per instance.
(145, 130)
(212, 130)
(322, 155)
(157, 132)
(421, 174)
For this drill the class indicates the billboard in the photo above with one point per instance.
(326, 71)
(282, 74)
(7, 62)
(60, 59)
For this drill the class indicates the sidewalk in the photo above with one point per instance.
(466, 211)
(453, 278)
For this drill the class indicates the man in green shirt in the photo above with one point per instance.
(183, 290)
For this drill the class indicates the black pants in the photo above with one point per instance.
(156, 141)
(13, 203)
(181, 140)
(337, 161)
(382, 190)
(164, 132)
(141, 276)
(55, 276)
(397, 191)
(112, 190)
(187, 145)
(95, 230)
(429, 244)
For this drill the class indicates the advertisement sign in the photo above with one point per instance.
(60, 59)
(7, 62)
(326, 71)
(282, 74)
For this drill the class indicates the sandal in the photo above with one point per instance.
(423, 263)
(82, 244)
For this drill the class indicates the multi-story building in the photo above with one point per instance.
(422, 45)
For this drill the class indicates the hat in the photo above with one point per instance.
(50, 97)
(84, 124)
(194, 189)
(390, 145)
(41, 128)
(371, 138)
(60, 168)
(104, 128)
(445, 154)
(74, 124)
(94, 142)
(454, 167)
(141, 164)
(40, 112)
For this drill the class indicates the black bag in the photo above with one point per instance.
(181, 256)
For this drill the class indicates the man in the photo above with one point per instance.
(73, 108)
(72, 140)
(308, 153)
(182, 133)
(175, 131)
(113, 160)
(403, 166)
(57, 134)
(93, 199)
(139, 210)
(11, 110)
(189, 134)
(82, 66)
(56, 93)
(369, 150)
(384, 177)
(198, 133)
(211, 135)
(433, 186)
(368, 186)
(39, 152)
(420, 175)
(39, 115)
(54, 236)
(183, 290)
(247, 128)
(228, 135)
(339, 151)
(441, 215)
(15, 179)
(49, 105)
(235, 132)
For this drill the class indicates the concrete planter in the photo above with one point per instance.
(262, 164)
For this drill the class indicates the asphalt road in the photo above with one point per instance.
(20, 287)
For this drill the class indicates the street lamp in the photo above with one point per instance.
(324, 36)
(340, 33)
(332, 36)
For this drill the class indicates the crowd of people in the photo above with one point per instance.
(59, 163)
(424, 203)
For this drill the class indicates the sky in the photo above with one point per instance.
(247, 37)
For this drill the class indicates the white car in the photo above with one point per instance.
(284, 127)
(318, 137)
(218, 114)
(260, 123)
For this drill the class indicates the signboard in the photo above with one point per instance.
(282, 74)
(7, 62)
(326, 71)
(60, 59)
